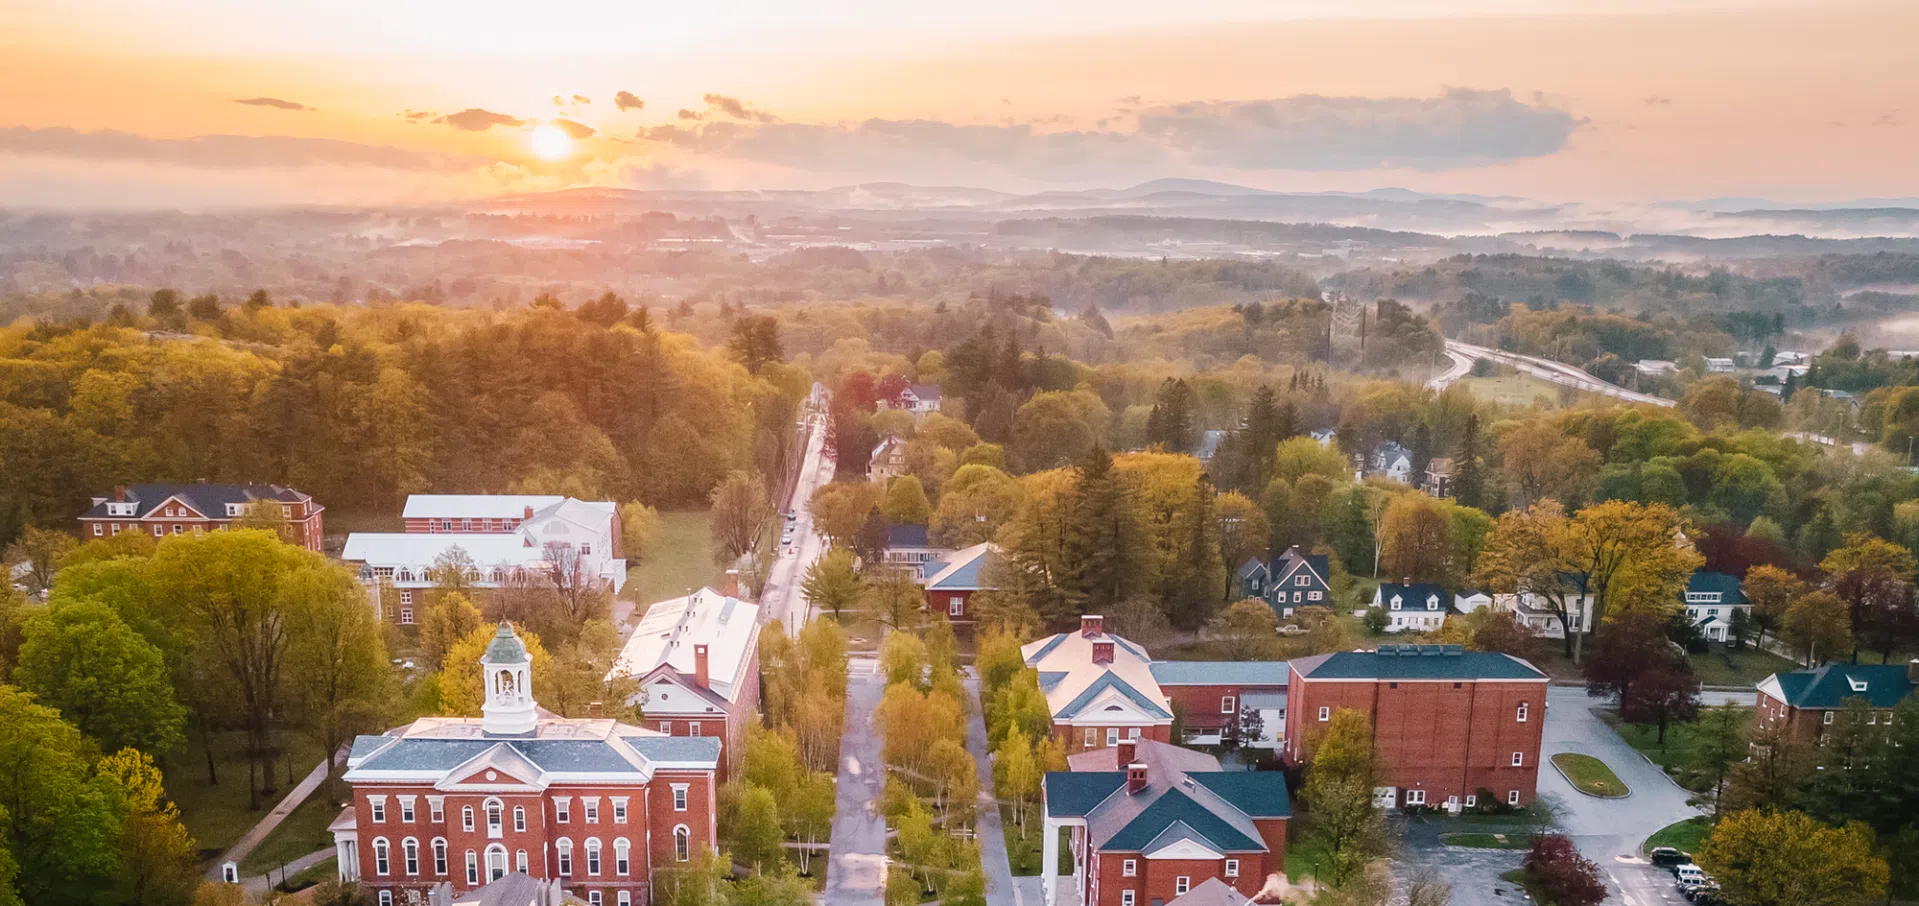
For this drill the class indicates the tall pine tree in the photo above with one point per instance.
(1104, 547)
(1469, 474)
(1195, 579)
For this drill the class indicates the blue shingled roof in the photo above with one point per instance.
(1071, 794)
(1703, 582)
(1829, 686)
(1220, 673)
(428, 754)
(1174, 806)
(209, 499)
(1260, 794)
(1109, 680)
(906, 536)
(1418, 662)
(676, 748)
(1413, 597)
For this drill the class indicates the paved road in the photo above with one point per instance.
(251, 839)
(992, 838)
(782, 592)
(1461, 365)
(856, 869)
(1555, 372)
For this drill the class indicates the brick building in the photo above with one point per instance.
(1214, 697)
(1151, 822)
(1449, 725)
(1099, 688)
(176, 509)
(951, 580)
(698, 663)
(1807, 702)
(593, 804)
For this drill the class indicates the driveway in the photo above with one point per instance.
(1473, 873)
(856, 868)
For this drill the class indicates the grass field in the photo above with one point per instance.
(217, 815)
(1512, 389)
(1024, 852)
(1486, 841)
(1674, 757)
(1684, 836)
(1589, 775)
(680, 557)
(302, 832)
(1738, 668)
(1302, 855)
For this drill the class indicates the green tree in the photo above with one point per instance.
(758, 842)
(1056, 428)
(449, 617)
(337, 672)
(906, 502)
(832, 584)
(1784, 858)
(83, 660)
(1342, 770)
(1104, 549)
(1249, 629)
(1720, 742)
(59, 817)
(756, 341)
(973, 504)
(159, 864)
(463, 688)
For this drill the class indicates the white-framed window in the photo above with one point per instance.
(1325, 713)
(1132, 733)
(682, 844)
(1228, 704)
(1828, 718)
(666, 726)
(439, 856)
(410, 853)
(593, 856)
(564, 848)
(619, 809)
(1512, 797)
(466, 818)
(586, 550)
(179, 529)
(1092, 737)
(382, 857)
(955, 606)
(377, 805)
(1129, 868)
(1126, 898)
(472, 868)
(1112, 736)
(116, 528)
(1522, 712)
(466, 525)
(593, 898)
(1181, 885)
(495, 862)
(97, 530)
(495, 817)
(1232, 868)
(679, 797)
(386, 898)
(519, 861)
(406, 616)
(1519, 759)
(1415, 797)
(562, 809)
(1471, 800)
(692, 728)
(623, 897)
(622, 857)
(1312, 596)
(406, 808)
(159, 531)
(592, 804)
(406, 596)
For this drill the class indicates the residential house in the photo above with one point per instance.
(698, 665)
(1214, 698)
(1413, 606)
(1153, 823)
(1439, 476)
(176, 509)
(1392, 461)
(1099, 688)
(907, 547)
(1535, 610)
(1711, 600)
(1291, 580)
(1806, 703)
(1449, 725)
(888, 460)
(1471, 601)
(919, 399)
(1719, 365)
(1654, 367)
(597, 805)
(1325, 436)
(952, 580)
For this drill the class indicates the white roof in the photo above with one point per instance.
(1071, 654)
(423, 548)
(729, 627)
(487, 506)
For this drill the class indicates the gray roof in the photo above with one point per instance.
(1417, 662)
(676, 748)
(1186, 796)
(424, 754)
(1220, 673)
(209, 499)
(1211, 892)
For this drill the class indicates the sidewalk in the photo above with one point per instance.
(279, 812)
(992, 838)
(856, 865)
(259, 884)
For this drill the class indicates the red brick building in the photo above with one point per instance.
(1449, 725)
(1150, 822)
(594, 804)
(176, 509)
(953, 578)
(1808, 702)
(1099, 687)
(698, 663)
(1215, 699)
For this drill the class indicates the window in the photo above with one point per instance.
(1181, 885)
(378, 805)
(666, 726)
(1129, 868)
(619, 810)
(97, 530)
(1415, 797)
(1325, 714)
(446, 525)
(1125, 898)
(380, 856)
(410, 850)
(586, 550)
(406, 616)
(179, 529)
(592, 804)
(495, 862)
(466, 525)
(1522, 712)
(625, 898)
(1471, 800)
(116, 528)
(494, 814)
(1827, 720)
(386, 898)
(159, 531)
(519, 861)
(439, 856)
(406, 809)
(593, 856)
(1232, 868)
(1112, 736)
(1519, 759)
(1092, 739)
(1228, 705)
(565, 849)
(679, 797)
(1132, 733)
(519, 819)
(682, 844)
(692, 729)
(593, 898)
(955, 606)
(1300, 580)
(622, 857)
(466, 818)
(1312, 596)
(472, 868)
(1512, 797)
(562, 810)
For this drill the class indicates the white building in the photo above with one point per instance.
(1412, 607)
(1535, 612)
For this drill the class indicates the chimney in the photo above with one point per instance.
(731, 588)
(1103, 652)
(526, 513)
(120, 493)
(1126, 749)
(1092, 624)
(700, 674)
(1405, 580)
(1135, 777)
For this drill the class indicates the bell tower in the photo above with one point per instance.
(507, 671)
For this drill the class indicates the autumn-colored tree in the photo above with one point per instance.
(839, 509)
(1873, 577)
(447, 619)
(1770, 590)
(1786, 858)
(906, 502)
(973, 504)
(1247, 629)
(1558, 874)
(40, 551)
(1244, 532)
(463, 688)
(1415, 539)
(1342, 770)
(831, 584)
(1535, 552)
(1634, 645)
(1540, 462)
(1296, 457)
(1774, 773)
(1633, 557)
(1818, 625)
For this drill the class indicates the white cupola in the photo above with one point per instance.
(508, 672)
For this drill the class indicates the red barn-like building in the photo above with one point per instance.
(594, 804)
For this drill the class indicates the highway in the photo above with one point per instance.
(789, 569)
(1545, 369)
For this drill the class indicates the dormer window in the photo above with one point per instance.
(1432, 602)
(1858, 685)
(235, 509)
(1395, 602)
(119, 509)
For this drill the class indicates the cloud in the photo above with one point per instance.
(220, 151)
(1459, 128)
(627, 100)
(582, 99)
(415, 116)
(275, 103)
(686, 114)
(576, 130)
(473, 119)
(1657, 100)
(737, 109)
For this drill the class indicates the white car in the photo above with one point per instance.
(1689, 876)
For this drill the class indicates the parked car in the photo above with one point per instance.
(1706, 894)
(1669, 858)
(1689, 876)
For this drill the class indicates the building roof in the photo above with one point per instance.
(209, 500)
(1414, 596)
(446, 751)
(906, 536)
(1828, 686)
(1078, 683)
(1186, 798)
(514, 889)
(506, 647)
(666, 635)
(1220, 673)
(488, 549)
(1287, 565)
(1211, 892)
(1416, 662)
(925, 393)
(492, 506)
(962, 570)
(1704, 582)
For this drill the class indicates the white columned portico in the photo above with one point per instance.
(1049, 860)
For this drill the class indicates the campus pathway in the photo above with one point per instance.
(856, 867)
(258, 885)
(992, 839)
(251, 839)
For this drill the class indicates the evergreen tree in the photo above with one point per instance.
(1469, 476)
(1170, 426)
(1103, 546)
(1195, 579)
(1421, 447)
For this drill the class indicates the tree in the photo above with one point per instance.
(1632, 648)
(1171, 425)
(1770, 589)
(973, 504)
(1415, 539)
(839, 509)
(1558, 874)
(832, 584)
(1533, 551)
(1540, 462)
(60, 819)
(1297, 457)
(83, 660)
(448, 618)
(1244, 532)
(1872, 576)
(1720, 742)
(463, 688)
(1784, 858)
(906, 502)
(336, 666)
(1341, 773)
(1017, 774)
(894, 600)
(903, 660)
(1249, 629)
(758, 843)
(1662, 694)
(1056, 428)
(159, 864)
(740, 511)
(41, 550)
(639, 524)
(1773, 775)
(1103, 547)
(756, 341)
(1817, 624)
(1632, 556)
(1469, 475)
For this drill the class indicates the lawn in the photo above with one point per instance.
(1684, 836)
(1025, 851)
(1486, 841)
(1514, 389)
(1673, 757)
(1589, 775)
(1738, 668)
(680, 557)
(1303, 855)
(301, 833)
(217, 815)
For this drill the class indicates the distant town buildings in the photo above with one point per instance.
(176, 509)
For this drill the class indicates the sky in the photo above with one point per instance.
(213, 103)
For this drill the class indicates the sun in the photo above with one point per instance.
(550, 142)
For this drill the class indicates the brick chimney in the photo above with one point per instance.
(120, 493)
(1127, 748)
(526, 513)
(700, 674)
(1092, 624)
(731, 587)
(1135, 777)
(1103, 652)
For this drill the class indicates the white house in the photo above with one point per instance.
(1393, 461)
(1535, 612)
(920, 399)
(1471, 601)
(889, 459)
(1711, 600)
(1719, 366)
(1412, 607)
